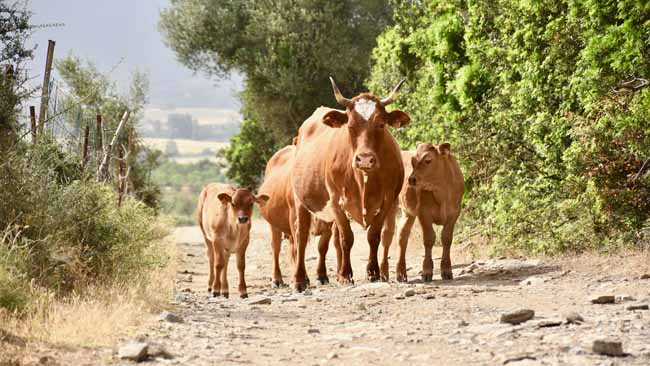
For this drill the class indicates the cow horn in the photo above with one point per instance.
(339, 97)
(391, 98)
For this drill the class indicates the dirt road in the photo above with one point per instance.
(446, 323)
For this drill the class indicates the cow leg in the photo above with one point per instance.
(219, 262)
(302, 236)
(429, 237)
(386, 240)
(276, 246)
(404, 233)
(445, 263)
(224, 276)
(323, 246)
(337, 246)
(346, 237)
(210, 254)
(374, 237)
(241, 268)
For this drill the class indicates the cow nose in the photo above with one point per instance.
(412, 180)
(243, 219)
(365, 161)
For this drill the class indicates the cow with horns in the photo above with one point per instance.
(348, 165)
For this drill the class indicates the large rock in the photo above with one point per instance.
(517, 316)
(602, 299)
(137, 352)
(608, 347)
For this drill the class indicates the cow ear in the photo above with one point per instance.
(445, 148)
(225, 198)
(398, 119)
(294, 141)
(262, 199)
(335, 119)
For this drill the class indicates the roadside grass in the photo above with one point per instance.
(98, 315)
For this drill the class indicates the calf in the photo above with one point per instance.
(432, 192)
(279, 212)
(224, 215)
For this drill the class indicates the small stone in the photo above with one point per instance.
(645, 276)
(534, 280)
(188, 278)
(462, 324)
(602, 299)
(307, 292)
(332, 355)
(260, 300)
(313, 331)
(399, 297)
(187, 289)
(133, 351)
(410, 292)
(166, 316)
(632, 307)
(517, 316)
(608, 347)
(552, 322)
(574, 318)
(430, 297)
(362, 307)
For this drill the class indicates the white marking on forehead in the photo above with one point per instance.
(365, 107)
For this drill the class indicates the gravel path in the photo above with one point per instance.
(448, 323)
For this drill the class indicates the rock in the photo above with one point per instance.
(462, 324)
(134, 351)
(188, 278)
(429, 297)
(399, 297)
(624, 298)
(517, 316)
(608, 347)
(361, 307)
(602, 299)
(574, 318)
(307, 292)
(534, 280)
(645, 276)
(181, 297)
(158, 351)
(332, 355)
(166, 316)
(637, 307)
(260, 300)
(313, 331)
(410, 292)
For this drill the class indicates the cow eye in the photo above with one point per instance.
(381, 125)
(428, 161)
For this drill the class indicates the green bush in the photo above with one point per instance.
(546, 105)
(63, 231)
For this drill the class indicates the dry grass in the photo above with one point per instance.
(96, 318)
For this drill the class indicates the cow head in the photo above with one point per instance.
(241, 202)
(428, 163)
(366, 119)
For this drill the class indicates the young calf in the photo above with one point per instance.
(224, 215)
(432, 192)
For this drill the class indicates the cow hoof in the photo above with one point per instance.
(343, 280)
(384, 278)
(225, 294)
(243, 296)
(426, 278)
(323, 281)
(209, 290)
(299, 287)
(402, 278)
(215, 294)
(277, 284)
(447, 276)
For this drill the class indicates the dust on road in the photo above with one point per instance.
(446, 323)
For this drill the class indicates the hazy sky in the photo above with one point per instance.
(105, 31)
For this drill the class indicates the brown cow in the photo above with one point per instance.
(348, 163)
(433, 193)
(224, 218)
(279, 212)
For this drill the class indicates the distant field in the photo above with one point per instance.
(185, 147)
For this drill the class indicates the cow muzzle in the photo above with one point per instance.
(243, 219)
(413, 181)
(365, 161)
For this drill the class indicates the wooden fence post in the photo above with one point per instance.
(102, 171)
(84, 159)
(32, 117)
(45, 96)
(99, 137)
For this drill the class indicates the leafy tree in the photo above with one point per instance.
(546, 103)
(286, 49)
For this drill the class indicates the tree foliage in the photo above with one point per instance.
(286, 49)
(546, 104)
